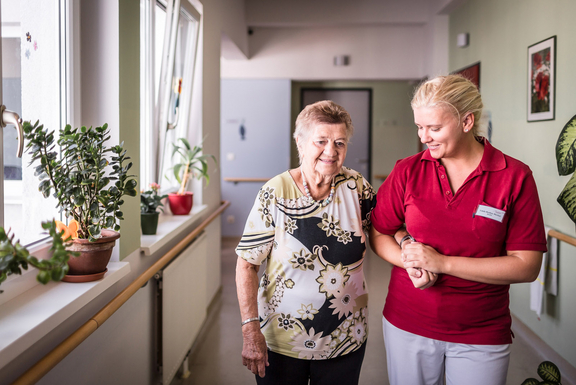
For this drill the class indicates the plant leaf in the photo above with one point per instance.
(549, 372)
(567, 198)
(565, 148)
(530, 381)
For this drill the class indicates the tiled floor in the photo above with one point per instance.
(216, 356)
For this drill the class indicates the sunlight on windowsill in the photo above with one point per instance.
(30, 316)
(169, 228)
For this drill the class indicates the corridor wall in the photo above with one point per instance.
(500, 33)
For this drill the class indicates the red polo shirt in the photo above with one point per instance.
(418, 193)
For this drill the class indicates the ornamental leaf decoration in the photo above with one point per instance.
(565, 148)
(531, 381)
(549, 372)
(566, 162)
(567, 198)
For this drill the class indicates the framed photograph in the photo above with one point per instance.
(472, 73)
(542, 80)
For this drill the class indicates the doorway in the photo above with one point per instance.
(358, 103)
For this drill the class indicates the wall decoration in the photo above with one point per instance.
(242, 131)
(472, 73)
(487, 120)
(542, 80)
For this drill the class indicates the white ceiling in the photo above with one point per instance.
(307, 13)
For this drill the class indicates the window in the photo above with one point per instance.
(34, 84)
(169, 38)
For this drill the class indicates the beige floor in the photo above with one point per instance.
(216, 359)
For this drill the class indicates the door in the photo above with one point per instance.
(358, 103)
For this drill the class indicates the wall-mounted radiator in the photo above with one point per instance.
(181, 306)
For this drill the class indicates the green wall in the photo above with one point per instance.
(500, 33)
(394, 134)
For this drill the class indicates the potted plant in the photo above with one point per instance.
(89, 180)
(191, 163)
(549, 374)
(14, 257)
(150, 201)
(566, 161)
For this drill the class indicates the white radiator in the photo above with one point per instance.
(181, 306)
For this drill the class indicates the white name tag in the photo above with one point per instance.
(490, 213)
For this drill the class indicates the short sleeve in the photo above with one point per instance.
(259, 231)
(367, 203)
(526, 224)
(388, 215)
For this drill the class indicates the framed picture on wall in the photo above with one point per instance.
(472, 73)
(542, 80)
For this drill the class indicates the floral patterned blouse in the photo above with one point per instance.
(312, 298)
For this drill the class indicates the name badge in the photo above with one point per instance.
(490, 213)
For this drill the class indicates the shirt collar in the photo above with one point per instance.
(492, 159)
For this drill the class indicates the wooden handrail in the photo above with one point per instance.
(39, 370)
(563, 237)
(236, 180)
(381, 176)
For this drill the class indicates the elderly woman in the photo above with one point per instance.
(307, 319)
(475, 227)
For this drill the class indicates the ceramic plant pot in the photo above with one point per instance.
(181, 204)
(149, 223)
(93, 259)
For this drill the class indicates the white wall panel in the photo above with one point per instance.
(183, 305)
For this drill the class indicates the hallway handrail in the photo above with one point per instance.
(42, 367)
(244, 180)
(563, 237)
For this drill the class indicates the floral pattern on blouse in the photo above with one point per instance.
(312, 298)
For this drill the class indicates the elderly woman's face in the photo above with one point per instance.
(325, 150)
(440, 130)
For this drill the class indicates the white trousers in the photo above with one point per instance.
(417, 360)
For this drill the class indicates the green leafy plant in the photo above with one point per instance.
(14, 257)
(549, 374)
(150, 200)
(89, 179)
(566, 162)
(191, 162)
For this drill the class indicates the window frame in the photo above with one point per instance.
(67, 11)
(68, 27)
(154, 113)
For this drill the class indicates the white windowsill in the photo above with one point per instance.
(27, 318)
(169, 228)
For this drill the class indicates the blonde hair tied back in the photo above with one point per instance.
(454, 92)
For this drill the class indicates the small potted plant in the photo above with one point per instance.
(89, 180)
(150, 201)
(14, 257)
(191, 163)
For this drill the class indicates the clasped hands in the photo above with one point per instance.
(422, 263)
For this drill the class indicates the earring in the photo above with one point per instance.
(466, 130)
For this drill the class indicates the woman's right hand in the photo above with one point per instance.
(421, 279)
(254, 350)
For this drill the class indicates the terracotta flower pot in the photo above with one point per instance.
(149, 223)
(93, 259)
(181, 204)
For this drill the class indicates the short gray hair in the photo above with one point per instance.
(324, 112)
